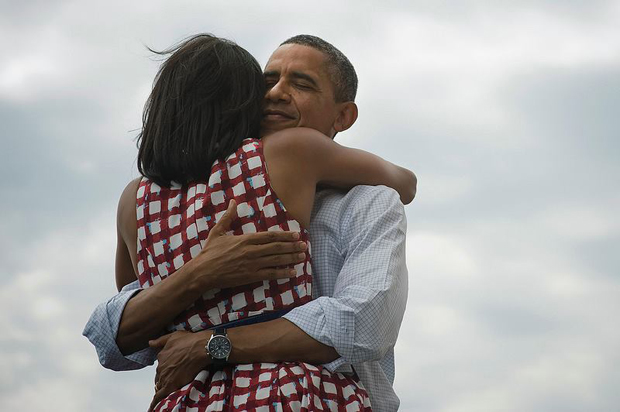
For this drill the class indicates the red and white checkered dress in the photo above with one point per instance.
(173, 224)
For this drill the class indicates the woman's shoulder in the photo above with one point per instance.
(126, 213)
(294, 140)
(128, 197)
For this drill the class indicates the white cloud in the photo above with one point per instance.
(19, 76)
(582, 222)
(448, 70)
(513, 284)
(504, 323)
(436, 189)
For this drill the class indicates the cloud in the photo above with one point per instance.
(486, 331)
(45, 359)
(506, 112)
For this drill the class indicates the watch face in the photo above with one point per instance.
(219, 347)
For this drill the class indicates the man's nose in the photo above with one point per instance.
(278, 93)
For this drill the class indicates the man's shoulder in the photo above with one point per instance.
(373, 193)
(361, 196)
(369, 201)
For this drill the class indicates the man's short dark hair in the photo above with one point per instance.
(341, 70)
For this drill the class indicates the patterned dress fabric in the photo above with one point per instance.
(173, 225)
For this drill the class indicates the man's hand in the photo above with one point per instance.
(183, 354)
(228, 261)
(181, 358)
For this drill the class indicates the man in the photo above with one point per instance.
(358, 248)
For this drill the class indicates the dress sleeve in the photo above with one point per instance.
(362, 318)
(102, 328)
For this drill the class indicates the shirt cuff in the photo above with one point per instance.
(338, 365)
(102, 328)
(305, 318)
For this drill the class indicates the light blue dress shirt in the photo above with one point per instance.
(359, 288)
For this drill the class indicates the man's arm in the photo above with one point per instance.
(101, 330)
(361, 320)
(182, 354)
(359, 323)
(224, 261)
(362, 317)
(127, 322)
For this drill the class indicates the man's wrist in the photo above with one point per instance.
(197, 282)
(200, 353)
(275, 341)
(218, 347)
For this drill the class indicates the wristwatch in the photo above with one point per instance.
(219, 347)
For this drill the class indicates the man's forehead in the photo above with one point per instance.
(298, 58)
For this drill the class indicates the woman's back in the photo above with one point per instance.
(174, 222)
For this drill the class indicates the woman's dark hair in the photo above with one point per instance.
(206, 98)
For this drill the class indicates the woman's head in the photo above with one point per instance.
(206, 99)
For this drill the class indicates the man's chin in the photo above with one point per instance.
(268, 128)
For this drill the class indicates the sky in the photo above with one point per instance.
(506, 111)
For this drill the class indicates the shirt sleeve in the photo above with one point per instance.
(102, 328)
(362, 318)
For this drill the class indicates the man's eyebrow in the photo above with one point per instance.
(271, 73)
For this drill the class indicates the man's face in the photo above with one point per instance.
(299, 91)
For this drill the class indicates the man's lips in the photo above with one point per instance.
(277, 115)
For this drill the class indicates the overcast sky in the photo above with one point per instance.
(506, 111)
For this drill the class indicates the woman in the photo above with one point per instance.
(198, 151)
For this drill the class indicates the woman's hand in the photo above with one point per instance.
(182, 356)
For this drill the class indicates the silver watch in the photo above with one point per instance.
(219, 347)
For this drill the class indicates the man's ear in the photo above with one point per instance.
(347, 115)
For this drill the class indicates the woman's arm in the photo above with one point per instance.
(339, 166)
(126, 228)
